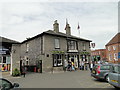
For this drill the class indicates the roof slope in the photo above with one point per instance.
(115, 39)
(2, 39)
(51, 32)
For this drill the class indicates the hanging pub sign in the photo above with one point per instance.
(93, 45)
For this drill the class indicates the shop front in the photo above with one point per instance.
(5, 60)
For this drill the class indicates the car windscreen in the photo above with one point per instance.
(105, 67)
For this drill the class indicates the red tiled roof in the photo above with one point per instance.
(114, 40)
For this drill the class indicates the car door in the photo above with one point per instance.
(114, 76)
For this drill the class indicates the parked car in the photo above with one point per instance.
(7, 85)
(100, 71)
(114, 75)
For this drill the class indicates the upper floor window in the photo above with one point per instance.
(114, 47)
(115, 56)
(84, 46)
(27, 47)
(110, 57)
(72, 45)
(108, 48)
(57, 43)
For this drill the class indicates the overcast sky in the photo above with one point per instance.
(98, 20)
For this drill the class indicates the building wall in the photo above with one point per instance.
(49, 46)
(111, 51)
(33, 52)
(41, 48)
(15, 57)
(99, 55)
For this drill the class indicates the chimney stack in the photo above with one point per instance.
(56, 26)
(68, 29)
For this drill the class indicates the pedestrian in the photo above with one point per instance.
(69, 65)
(91, 66)
(65, 65)
(73, 68)
(85, 65)
(23, 71)
(82, 65)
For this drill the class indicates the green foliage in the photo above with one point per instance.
(58, 52)
(16, 72)
(85, 53)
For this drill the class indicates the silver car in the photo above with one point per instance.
(114, 76)
(7, 85)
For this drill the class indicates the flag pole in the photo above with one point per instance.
(78, 29)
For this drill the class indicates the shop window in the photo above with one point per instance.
(57, 60)
(4, 59)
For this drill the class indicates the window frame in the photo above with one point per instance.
(27, 47)
(114, 47)
(115, 56)
(57, 43)
(56, 58)
(72, 45)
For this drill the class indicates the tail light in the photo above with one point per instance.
(98, 70)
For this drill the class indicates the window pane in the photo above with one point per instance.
(5, 84)
(57, 43)
(4, 59)
(105, 68)
(55, 60)
(116, 69)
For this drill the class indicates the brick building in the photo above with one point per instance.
(51, 48)
(113, 49)
(98, 55)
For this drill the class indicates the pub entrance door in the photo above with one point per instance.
(39, 66)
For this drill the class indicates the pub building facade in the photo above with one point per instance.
(49, 50)
(5, 53)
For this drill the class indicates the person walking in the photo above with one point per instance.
(85, 65)
(73, 68)
(23, 71)
(82, 65)
(65, 65)
(69, 65)
(91, 66)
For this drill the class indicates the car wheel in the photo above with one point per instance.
(107, 78)
(116, 87)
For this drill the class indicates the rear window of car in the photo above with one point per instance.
(105, 67)
(116, 69)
